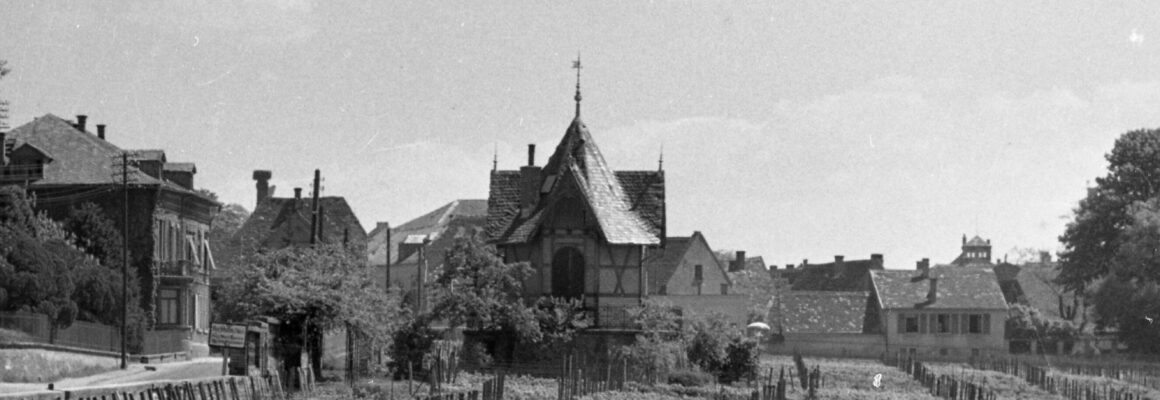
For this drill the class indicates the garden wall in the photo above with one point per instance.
(831, 345)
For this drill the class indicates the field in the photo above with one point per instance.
(1005, 386)
(851, 379)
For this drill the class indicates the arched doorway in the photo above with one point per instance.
(568, 273)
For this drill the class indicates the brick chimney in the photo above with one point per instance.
(530, 188)
(263, 185)
(877, 260)
(101, 131)
(297, 194)
(738, 262)
(81, 122)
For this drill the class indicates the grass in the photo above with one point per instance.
(40, 366)
(850, 379)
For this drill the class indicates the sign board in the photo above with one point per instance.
(222, 335)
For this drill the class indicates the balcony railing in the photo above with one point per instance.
(177, 268)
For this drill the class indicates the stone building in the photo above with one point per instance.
(65, 165)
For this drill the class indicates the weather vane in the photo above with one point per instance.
(577, 67)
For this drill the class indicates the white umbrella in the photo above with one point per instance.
(758, 325)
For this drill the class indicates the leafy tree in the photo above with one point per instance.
(98, 282)
(34, 262)
(310, 290)
(475, 288)
(1129, 304)
(1093, 239)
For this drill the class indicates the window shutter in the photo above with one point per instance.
(901, 323)
(987, 324)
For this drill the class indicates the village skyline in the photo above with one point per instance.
(789, 132)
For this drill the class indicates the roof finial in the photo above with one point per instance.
(576, 66)
(494, 156)
(661, 160)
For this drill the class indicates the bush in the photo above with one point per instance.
(410, 344)
(689, 378)
(741, 357)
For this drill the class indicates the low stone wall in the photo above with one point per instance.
(34, 362)
(831, 345)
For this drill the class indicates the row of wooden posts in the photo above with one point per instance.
(944, 386)
(219, 388)
(1069, 388)
(579, 376)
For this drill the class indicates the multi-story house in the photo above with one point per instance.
(63, 165)
(585, 229)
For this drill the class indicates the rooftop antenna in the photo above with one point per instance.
(576, 66)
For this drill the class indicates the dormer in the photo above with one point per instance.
(26, 163)
(179, 173)
(149, 161)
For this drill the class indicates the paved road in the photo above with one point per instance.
(198, 368)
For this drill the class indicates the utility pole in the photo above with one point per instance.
(387, 245)
(124, 258)
(314, 209)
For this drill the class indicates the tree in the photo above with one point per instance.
(98, 281)
(4, 70)
(1110, 248)
(310, 290)
(35, 262)
(1092, 240)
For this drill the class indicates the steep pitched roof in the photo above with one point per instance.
(280, 222)
(459, 218)
(957, 288)
(623, 217)
(976, 242)
(823, 311)
(847, 276)
(1037, 290)
(662, 263)
(79, 157)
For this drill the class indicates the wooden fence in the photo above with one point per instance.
(1070, 388)
(220, 388)
(579, 377)
(944, 386)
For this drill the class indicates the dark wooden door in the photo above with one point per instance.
(568, 273)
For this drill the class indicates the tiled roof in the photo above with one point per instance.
(81, 158)
(147, 154)
(662, 263)
(958, 288)
(850, 275)
(823, 312)
(977, 241)
(623, 217)
(180, 167)
(280, 222)
(455, 219)
(1038, 291)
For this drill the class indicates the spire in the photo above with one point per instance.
(576, 66)
(494, 157)
(661, 160)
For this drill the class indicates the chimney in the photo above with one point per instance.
(738, 262)
(101, 131)
(81, 122)
(964, 239)
(297, 194)
(876, 258)
(933, 293)
(789, 266)
(805, 262)
(3, 149)
(263, 185)
(530, 188)
(839, 259)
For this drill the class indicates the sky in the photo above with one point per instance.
(792, 130)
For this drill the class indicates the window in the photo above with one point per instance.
(168, 307)
(664, 289)
(910, 324)
(942, 351)
(943, 323)
(975, 352)
(698, 273)
(975, 323)
(724, 288)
